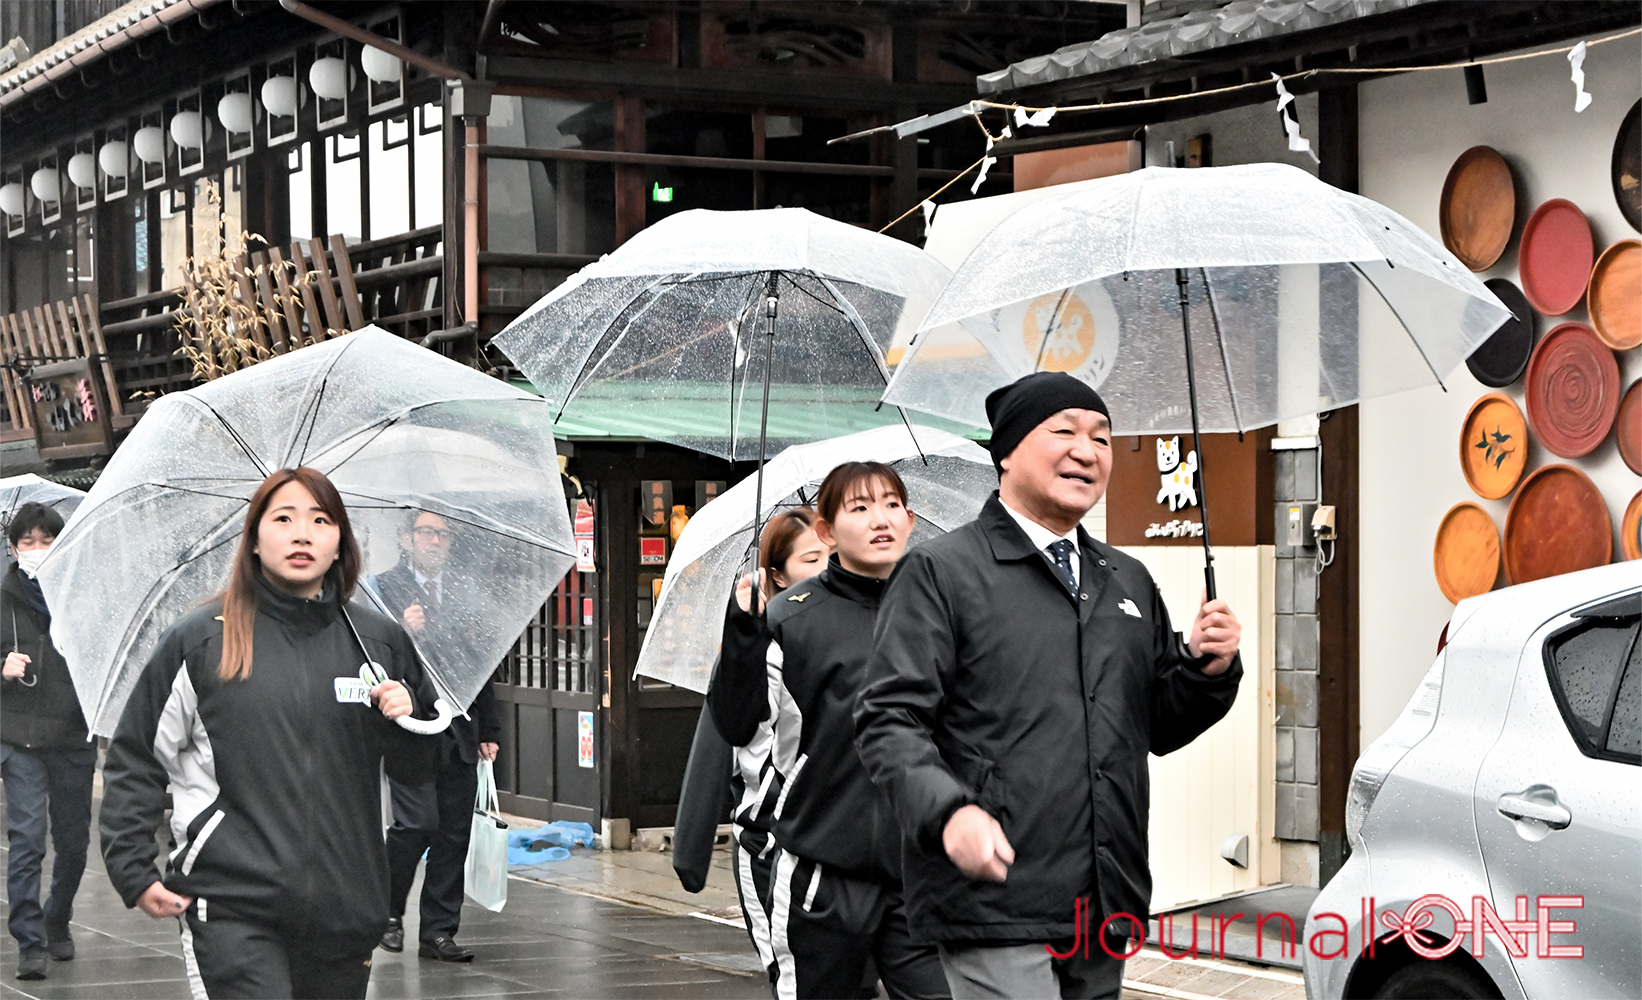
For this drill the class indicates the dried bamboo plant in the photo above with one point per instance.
(223, 325)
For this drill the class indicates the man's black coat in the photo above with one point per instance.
(399, 590)
(41, 711)
(990, 683)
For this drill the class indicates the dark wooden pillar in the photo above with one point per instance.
(630, 193)
(1339, 636)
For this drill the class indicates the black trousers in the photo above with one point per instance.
(437, 818)
(44, 785)
(828, 930)
(234, 960)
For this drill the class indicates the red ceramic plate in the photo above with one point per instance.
(1573, 390)
(1630, 427)
(1556, 256)
(1558, 523)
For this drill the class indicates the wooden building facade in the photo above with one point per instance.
(437, 167)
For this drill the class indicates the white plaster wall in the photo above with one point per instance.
(1412, 127)
(1223, 782)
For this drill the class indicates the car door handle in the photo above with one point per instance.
(1553, 815)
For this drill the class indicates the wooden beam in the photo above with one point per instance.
(287, 298)
(665, 81)
(73, 339)
(344, 281)
(248, 295)
(22, 412)
(37, 348)
(269, 303)
(48, 334)
(91, 323)
(327, 290)
(305, 280)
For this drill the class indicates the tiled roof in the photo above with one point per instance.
(1198, 31)
(91, 36)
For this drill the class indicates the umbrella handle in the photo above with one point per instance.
(373, 674)
(429, 727)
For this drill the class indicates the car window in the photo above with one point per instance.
(1588, 665)
(1625, 732)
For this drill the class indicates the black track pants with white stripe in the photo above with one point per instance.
(233, 960)
(752, 855)
(827, 930)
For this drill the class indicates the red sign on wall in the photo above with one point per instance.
(653, 551)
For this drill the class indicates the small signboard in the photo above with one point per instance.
(70, 412)
(656, 501)
(653, 551)
(584, 739)
(706, 489)
(584, 555)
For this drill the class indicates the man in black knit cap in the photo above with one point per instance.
(1021, 672)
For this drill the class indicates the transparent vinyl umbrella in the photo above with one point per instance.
(15, 491)
(1213, 299)
(947, 487)
(398, 429)
(682, 328)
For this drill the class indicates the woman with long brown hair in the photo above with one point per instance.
(254, 711)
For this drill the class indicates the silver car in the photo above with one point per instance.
(1496, 827)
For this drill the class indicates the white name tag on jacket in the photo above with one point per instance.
(352, 690)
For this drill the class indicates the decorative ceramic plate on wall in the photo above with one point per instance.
(1615, 295)
(1494, 446)
(1478, 207)
(1558, 523)
(1466, 555)
(1629, 427)
(1502, 358)
(1630, 529)
(1627, 167)
(1573, 390)
(1554, 261)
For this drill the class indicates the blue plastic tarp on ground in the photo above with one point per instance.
(547, 843)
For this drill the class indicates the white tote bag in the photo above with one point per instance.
(487, 845)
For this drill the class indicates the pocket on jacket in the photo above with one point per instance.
(993, 794)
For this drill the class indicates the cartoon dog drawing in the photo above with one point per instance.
(1176, 476)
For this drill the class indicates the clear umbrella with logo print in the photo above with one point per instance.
(1209, 300)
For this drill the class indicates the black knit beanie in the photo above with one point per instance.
(1015, 409)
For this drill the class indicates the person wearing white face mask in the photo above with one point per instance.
(45, 758)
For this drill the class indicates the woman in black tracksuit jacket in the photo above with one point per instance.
(835, 893)
(251, 708)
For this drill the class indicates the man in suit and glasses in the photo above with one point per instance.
(436, 817)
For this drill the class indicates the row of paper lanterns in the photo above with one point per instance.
(328, 78)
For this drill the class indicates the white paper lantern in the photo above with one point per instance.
(188, 129)
(12, 201)
(46, 185)
(114, 159)
(329, 78)
(379, 65)
(236, 113)
(279, 95)
(82, 170)
(150, 144)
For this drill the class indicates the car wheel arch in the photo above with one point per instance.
(1391, 956)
